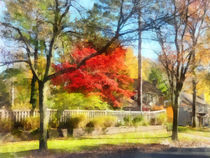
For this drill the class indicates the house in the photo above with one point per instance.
(150, 96)
(185, 110)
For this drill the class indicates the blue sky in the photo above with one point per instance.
(148, 46)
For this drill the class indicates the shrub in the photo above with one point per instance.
(19, 125)
(102, 122)
(75, 100)
(31, 123)
(22, 106)
(6, 125)
(138, 120)
(53, 122)
(145, 123)
(161, 119)
(153, 121)
(120, 123)
(96, 123)
(128, 120)
(78, 121)
(109, 121)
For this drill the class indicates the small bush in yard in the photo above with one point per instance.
(153, 121)
(6, 125)
(161, 119)
(53, 122)
(78, 121)
(120, 123)
(19, 125)
(96, 123)
(102, 122)
(128, 120)
(138, 120)
(109, 121)
(31, 123)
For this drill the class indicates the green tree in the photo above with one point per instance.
(156, 76)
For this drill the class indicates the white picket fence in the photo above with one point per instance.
(18, 115)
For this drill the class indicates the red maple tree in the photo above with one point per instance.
(105, 75)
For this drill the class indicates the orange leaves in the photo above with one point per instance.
(102, 74)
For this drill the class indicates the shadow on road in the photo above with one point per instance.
(116, 151)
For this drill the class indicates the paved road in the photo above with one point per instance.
(171, 153)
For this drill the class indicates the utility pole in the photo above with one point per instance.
(139, 99)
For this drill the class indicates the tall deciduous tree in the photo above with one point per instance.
(105, 75)
(178, 56)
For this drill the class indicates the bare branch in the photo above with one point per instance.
(14, 61)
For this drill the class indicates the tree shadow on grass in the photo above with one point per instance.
(115, 151)
(54, 153)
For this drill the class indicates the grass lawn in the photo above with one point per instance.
(205, 132)
(18, 149)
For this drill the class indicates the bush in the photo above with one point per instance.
(120, 123)
(102, 122)
(75, 100)
(31, 123)
(19, 125)
(78, 121)
(128, 120)
(6, 125)
(53, 122)
(161, 119)
(145, 123)
(152, 121)
(138, 120)
(109, 121)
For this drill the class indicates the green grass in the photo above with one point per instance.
(205, 132)
(18, 149)
(72, 144)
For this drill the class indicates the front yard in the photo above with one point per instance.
(69, 145)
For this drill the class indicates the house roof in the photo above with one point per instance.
(147, 87)
(187, 99)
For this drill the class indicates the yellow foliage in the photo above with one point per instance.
(131, 62)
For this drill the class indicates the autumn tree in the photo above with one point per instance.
(104, 75)
(178, 50)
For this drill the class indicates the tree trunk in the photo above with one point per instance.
(33, 94)
(175, 117)
(139, 91)
(43, 119)
(33, 97)
(194, 104)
